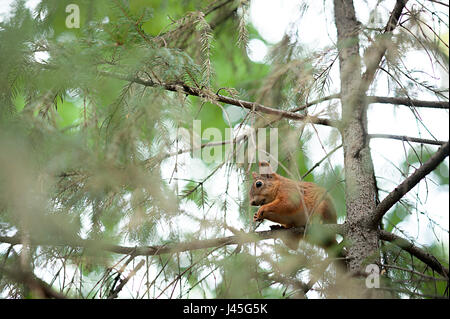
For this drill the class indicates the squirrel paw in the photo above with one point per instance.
(258, 216)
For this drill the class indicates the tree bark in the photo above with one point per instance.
(360, 184)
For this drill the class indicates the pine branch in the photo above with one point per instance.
(320, 162)
(253, 106)
(409, 183)
(240, 239)
(162, 157)
(215, 6)
(378, 49)
(417, 252)
(33, 283)
(414, 272)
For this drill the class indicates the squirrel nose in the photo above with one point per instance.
(253, 203)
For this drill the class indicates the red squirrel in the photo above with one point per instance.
(290, 203)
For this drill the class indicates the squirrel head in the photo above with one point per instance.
(265, 185)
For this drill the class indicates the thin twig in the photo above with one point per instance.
(407, 138)
(113, 294)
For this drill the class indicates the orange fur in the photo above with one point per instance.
(288, 202)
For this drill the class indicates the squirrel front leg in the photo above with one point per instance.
(274, 211)
(266, 211)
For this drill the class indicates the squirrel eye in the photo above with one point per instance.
(258, 184)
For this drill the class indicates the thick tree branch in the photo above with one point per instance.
(240, 239)
(253, 106)
(419, 253)
(409, 183)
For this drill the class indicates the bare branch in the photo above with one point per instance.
(407, 138)
(382, 100)
(320, 162)
(326, 98)
(409, 183)
(113, 294)
(408, 102)
(439, 2)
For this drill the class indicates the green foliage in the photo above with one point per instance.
(195, 192)
(237, 278)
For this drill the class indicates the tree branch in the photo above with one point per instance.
(409, 183)
(408, 102)
(378, 49)
(242, 238)
(419, 253)
(382, 100)
(253, 106)
(34, 283)
(114, 293)
(416, 273)
(439, 2)
(407, 138)
(326, 98)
